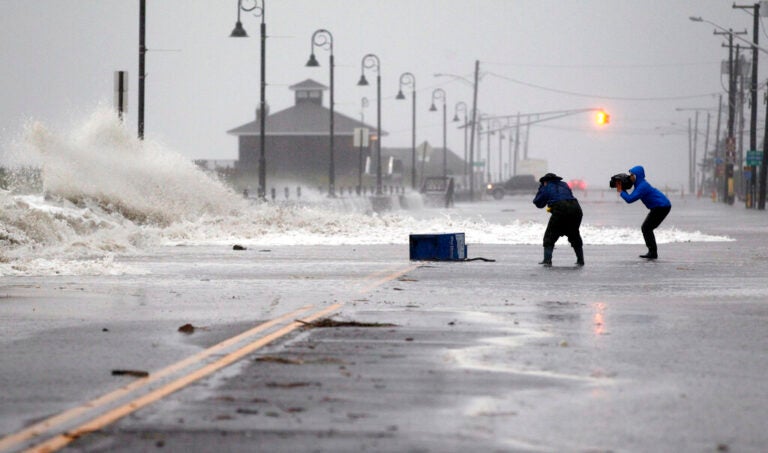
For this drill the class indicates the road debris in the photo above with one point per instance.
(134, 373)
(187, 329)
(328, 322)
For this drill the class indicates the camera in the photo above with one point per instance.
(622, 178)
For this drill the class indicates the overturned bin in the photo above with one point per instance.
(438, 247)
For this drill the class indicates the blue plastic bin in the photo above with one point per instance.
(438, 247)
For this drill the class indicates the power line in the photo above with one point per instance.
(598, 96)
(602, 66)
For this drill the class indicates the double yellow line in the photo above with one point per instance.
(93, 407)
(99, 414)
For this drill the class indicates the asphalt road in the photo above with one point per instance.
(620, 355)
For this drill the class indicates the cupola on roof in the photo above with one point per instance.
(309, 91)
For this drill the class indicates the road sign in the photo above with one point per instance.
(754, 158)
(361, 137)
(720, 170)
(479, 163)
(121, 92)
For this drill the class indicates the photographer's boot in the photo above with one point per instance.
(579, 255)
(651, 255)
(547, 261)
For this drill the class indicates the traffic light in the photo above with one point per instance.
(602, 117)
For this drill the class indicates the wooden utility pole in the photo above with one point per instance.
(753, 113)
(472, 139)
(730, 141)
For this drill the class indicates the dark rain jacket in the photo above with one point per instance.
(649, 195)
(553, 192)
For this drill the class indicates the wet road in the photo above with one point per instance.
(621, 355)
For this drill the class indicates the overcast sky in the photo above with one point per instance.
(639, 59)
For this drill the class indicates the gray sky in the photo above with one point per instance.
(638, 59)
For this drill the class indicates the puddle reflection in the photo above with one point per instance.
(598, 318)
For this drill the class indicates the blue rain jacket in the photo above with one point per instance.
(553, 192)
(649, 195)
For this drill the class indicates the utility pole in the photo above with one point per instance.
(739, 176)
(510, 157)
(692, 187)
(718, 146)
(706, 147)
(488, 152)
(753, 93)
(690, 156)
(730, 141)
(472, 139)
(517, 143)
(763, 164)
(501, 160)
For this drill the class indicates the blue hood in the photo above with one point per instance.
(650, 196)
(639, 173)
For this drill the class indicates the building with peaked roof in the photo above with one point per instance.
(298, 142)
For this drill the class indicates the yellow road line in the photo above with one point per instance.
(59, 441)
(40, 427)
(99, 422)
(388, 277)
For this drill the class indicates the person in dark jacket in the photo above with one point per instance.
(566, 216)
(658, 204)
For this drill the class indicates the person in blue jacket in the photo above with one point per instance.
(658, 204)
(566, 216)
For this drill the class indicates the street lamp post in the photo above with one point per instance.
(363, 106)
(408, 79)
(324, 39)
(142, 58)
(439, 94)
(371, 61)
(462, 106)
(239, 32)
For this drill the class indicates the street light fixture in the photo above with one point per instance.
(239, 32)
(409, 80)
(371, 61)
(439, 95)
(751, 44)
(324, 39)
